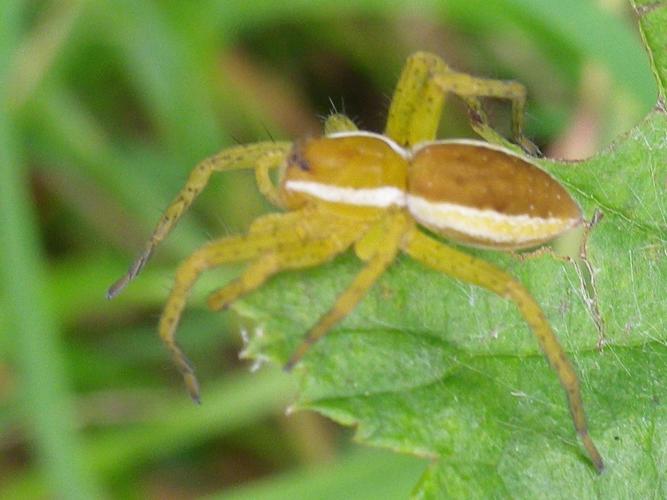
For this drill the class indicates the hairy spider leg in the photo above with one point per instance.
(265, 184)
(263, 268)
(479, 121)
(317, 249)
(469, 88)
(285, 227)
(416, 108)
(470, 269)
(290, 249)
(378, 247)
(225, 250)
(247, 156)
(289, 223)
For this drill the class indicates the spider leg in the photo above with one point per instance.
(469, 88)
(225, 250)
(275, 250)
(266, 154)
(407, 95)
(478, 272)
(338, 122)
(378, 246)
(308, 254)
(265, 184)
(419, 97)
(479, 121)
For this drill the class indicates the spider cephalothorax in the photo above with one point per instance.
(372, 192)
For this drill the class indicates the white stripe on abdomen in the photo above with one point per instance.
(485, 224)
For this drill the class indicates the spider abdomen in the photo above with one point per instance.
(485, 195)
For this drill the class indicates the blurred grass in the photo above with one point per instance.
(108, 104)
(361, 474)
(45, 406)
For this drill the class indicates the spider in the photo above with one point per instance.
(372, 193)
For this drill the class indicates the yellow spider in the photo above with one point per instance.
(371, 192)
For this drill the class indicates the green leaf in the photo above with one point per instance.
(433, 367)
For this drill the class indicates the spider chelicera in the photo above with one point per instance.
(372, 192)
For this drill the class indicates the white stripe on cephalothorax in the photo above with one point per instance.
(484, 223)
(368, 197)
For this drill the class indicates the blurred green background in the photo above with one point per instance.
(105, 106)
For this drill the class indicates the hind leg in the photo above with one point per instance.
(416, 107)
(472, 270)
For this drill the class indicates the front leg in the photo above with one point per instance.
(216, 253)
(273, 245)
(262, 155)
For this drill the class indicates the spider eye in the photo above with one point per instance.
(297, 159)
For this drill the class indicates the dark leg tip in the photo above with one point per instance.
(132, 273)
(593, 452)
(117, 287)
(475, 116)
(192, 386)
(529, 147)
